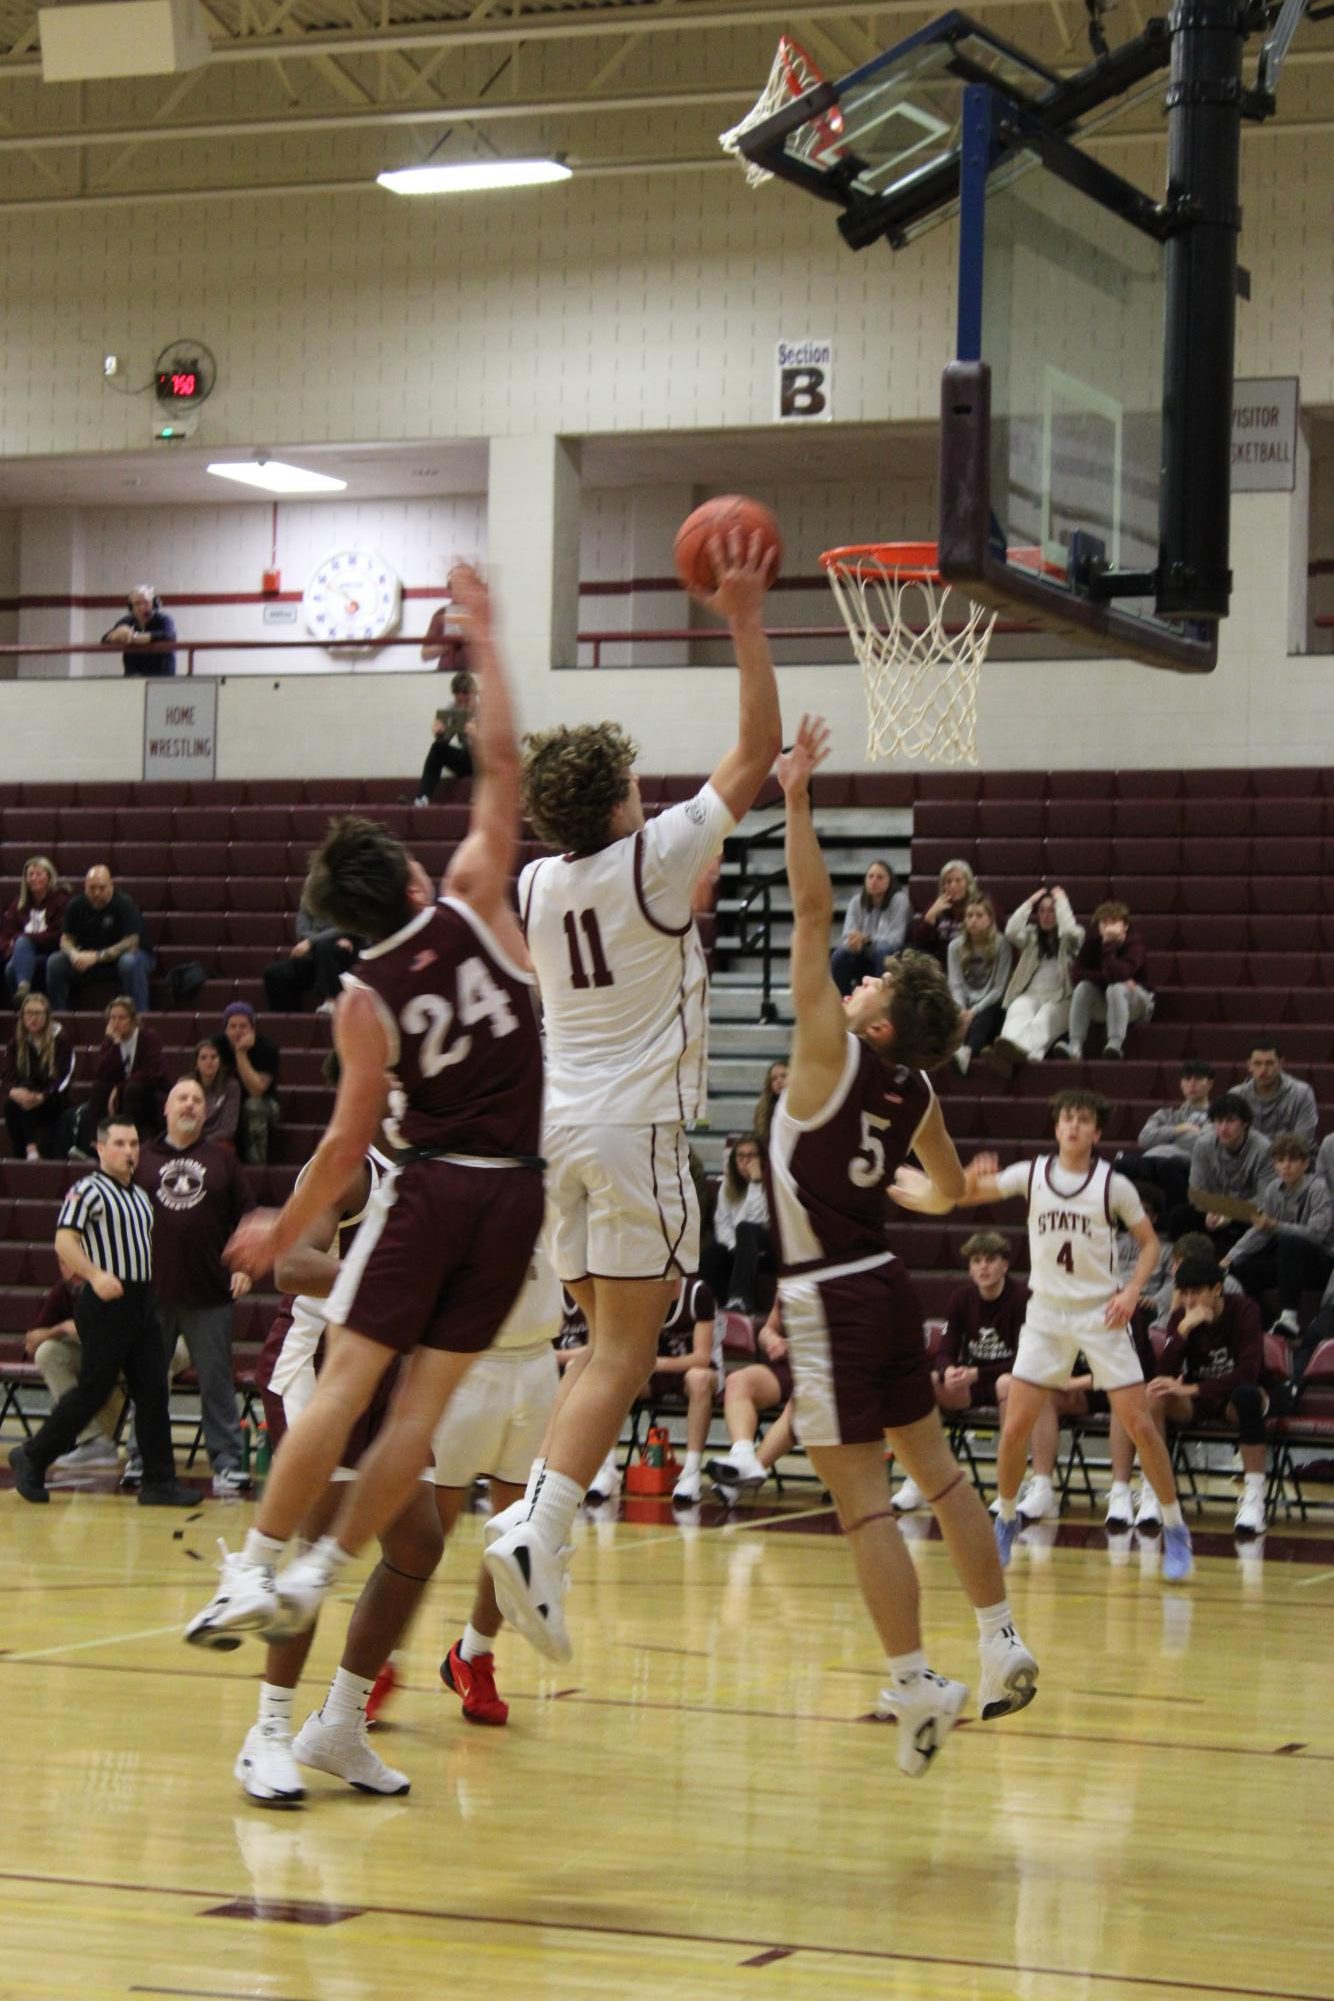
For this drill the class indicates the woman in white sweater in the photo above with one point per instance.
(1037, 1000)
(977, 966)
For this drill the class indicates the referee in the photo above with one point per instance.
(105, 1235)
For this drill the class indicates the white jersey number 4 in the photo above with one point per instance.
(432, 1016)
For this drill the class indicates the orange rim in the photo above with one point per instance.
(793, 57)
(908, 562)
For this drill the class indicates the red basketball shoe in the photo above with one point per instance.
(475, 1682)
(386, 1681)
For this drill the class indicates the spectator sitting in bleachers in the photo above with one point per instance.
(102, 939)
(759, 1386)
(1037, 1000)
(1279, 1103)
(741, 1242)
(772, 1089)
(256, 1059)
(1210, 1370)
(30, 928)
(1228, 1160)
(944, 919)
(977, 1351)
(53, 1343)
(215, 1074)
(1111, 983)
(1193, 1244)
(1155, 1208)
(875, 927)
(130, 1078)
(690, 1348)
(1168, 1136)
(38, 1065)
(1291, 1248)
(978, 969)
(453, 733)
(313, 968)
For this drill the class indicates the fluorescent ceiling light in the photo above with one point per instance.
(469, 176)
(274, 477)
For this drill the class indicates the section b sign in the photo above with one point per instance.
(804, 382)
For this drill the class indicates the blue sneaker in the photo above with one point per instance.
(1178, 1557)
(1007, 1534)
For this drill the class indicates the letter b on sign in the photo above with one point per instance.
(801, 393)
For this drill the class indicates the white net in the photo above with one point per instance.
(792, 73)
(921, 648)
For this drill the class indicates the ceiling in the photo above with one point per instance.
(325, 93)
(175, 475)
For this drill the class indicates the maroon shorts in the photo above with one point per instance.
(441, 1256)
(857, 1354)
(782, 1375)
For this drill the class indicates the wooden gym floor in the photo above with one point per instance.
(696, 1806)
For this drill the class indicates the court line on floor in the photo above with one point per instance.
(547, 1922)
(82, 1646)
(1305, 1583)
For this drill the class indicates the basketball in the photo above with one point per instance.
(694, 565)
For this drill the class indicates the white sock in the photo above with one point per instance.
(694, 1463)
(347, 1697)
(1008, 1509)
(1288, 1318)
(905, 1669)
(1120, 1491)
(744, 1456)
(993, 1619)
(329, 1556)
(474, 1643)
(1254, 1484)
(265, 1549)
(553, 1514)
(275, 1709)
(1173, 1517)
(535, 1472)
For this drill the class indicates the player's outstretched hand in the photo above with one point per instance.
(250, 1248)
(912, 1189)
(743, 569)
(471, 597)
(810, 749)
(982, 1167)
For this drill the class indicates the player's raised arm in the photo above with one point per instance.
(743, 569)
(912, 1189)
(820, 1039)
(484, 860)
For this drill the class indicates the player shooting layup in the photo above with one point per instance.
(858, 1100)
(442, 999)
(625, 999)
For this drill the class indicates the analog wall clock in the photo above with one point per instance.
(353, 595)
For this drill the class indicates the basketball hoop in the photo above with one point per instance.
(792, 74)
(920, 672)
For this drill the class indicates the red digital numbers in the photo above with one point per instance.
(179, 384)
(183, 385)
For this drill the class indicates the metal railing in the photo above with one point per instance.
(452, 648)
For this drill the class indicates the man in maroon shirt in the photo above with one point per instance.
(1210, 1370)
(199, 1196)
(1111, 982)
(131, 1075)
(443, 1000)
(977, 1352)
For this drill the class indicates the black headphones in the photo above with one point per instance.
(157, 604)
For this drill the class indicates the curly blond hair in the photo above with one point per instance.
(574, 779)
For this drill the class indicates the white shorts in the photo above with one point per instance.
(1049, 1359)
(623, 1202)
(493, 1423)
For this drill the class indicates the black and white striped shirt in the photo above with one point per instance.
(115, 1224)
